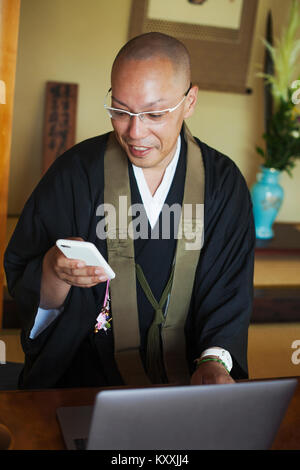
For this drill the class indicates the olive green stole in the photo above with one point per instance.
(120, 246)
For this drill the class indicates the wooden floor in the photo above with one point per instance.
(11, 339)
(270, 352)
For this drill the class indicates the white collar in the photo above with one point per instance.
(153, 204)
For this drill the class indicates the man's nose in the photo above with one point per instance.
(136, 128)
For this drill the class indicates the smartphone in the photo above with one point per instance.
(85, 251)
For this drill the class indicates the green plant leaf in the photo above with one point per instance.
(260, 151)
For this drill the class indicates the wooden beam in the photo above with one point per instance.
(9, 28)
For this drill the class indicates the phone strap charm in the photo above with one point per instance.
(103, 319)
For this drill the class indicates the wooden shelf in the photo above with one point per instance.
(286, 241)
(276, 271)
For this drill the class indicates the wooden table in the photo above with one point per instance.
(31, 417)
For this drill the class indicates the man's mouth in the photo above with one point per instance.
(139, 150)
(136, 147)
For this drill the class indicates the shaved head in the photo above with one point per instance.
(157, 45)
(151, 74)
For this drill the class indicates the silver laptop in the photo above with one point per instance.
(243, 415)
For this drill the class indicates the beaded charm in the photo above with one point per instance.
(103, 320)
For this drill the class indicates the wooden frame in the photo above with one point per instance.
(220, 56)
(9, 30)
(59, 121)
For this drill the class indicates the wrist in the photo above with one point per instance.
(216, 352)
(53, 290)
(211, 359)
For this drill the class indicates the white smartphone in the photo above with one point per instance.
(84, 251)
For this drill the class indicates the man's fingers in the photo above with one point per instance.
(76, 273)
(77, 267)
(81, 281)
(63, 262)
(210, 373)
(88, 271)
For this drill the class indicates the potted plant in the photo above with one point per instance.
(282, 134)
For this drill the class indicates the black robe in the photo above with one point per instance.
(68, 353)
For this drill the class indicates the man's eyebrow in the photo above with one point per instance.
(148, 105)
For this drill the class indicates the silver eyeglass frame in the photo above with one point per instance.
(140, 115)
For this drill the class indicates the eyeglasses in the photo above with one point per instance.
(148, 117)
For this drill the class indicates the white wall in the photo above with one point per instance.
(76, 41)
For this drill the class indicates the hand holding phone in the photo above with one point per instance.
(86, 252)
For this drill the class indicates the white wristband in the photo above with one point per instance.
(221, 354)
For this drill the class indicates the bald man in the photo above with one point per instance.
(180, 304)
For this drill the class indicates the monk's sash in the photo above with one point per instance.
(120, 247)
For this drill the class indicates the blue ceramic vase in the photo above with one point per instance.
(267, 196)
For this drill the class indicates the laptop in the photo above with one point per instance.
(244, 415)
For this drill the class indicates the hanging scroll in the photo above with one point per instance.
(60, 120)
(218, 35)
